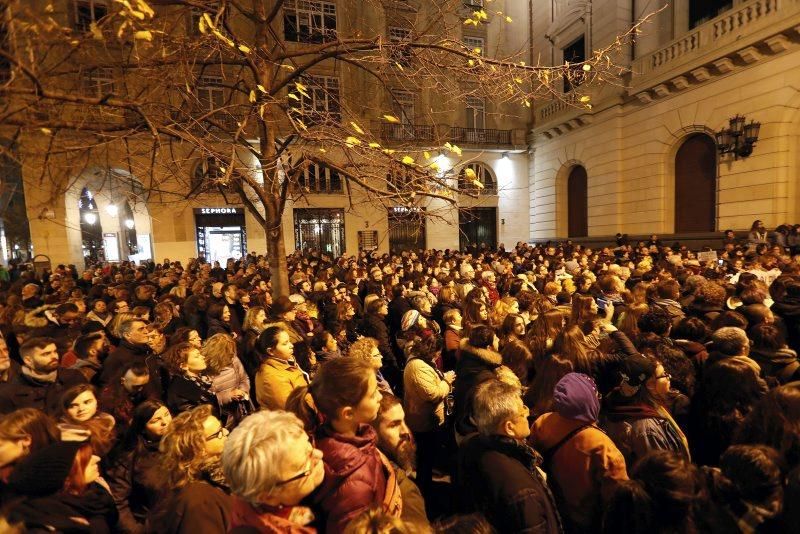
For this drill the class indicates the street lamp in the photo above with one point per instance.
(738, 138)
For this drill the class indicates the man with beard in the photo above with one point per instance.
(395, 441)
(91, 350)
(40, 381)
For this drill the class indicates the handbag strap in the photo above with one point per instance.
(549, 453)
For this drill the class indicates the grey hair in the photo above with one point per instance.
(493, 403)
(730, 341)
(255, 451)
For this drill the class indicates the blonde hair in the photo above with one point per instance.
(362, 348)
(501, 309)
(219, 351)
(183, 447)
(118, 319)
(249, 322)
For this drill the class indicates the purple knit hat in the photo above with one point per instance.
(576, 397)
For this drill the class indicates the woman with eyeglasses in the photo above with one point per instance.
(194, 496)
(271, 466)
(636, 417)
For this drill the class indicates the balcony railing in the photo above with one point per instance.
(480, 136)
(730, 31)
(407, 132)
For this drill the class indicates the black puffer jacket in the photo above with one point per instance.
(475, 367)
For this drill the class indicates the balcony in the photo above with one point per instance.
(741, 33)
(407, 132)
(480, 136)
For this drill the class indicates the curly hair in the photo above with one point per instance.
(362, 348)
(183, 447)
(219, 351)
(175, 357)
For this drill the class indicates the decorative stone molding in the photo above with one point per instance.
(749, 55)
(778, 43)
(724, 65)
(680, 83)
(644, 97)
(661, 90)
(701, 74)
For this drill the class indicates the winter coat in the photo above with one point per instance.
(126, 354)
(133, 484)
(186, 392)
(357, 477)
(425, 390)
(228, 379)
(275, 381)
(246, 519)
(196, 508)
(216, 326)
(374, 326)
(22, 391)
(499, 477)
(788, 308)
(673, 308)
(474, 367)
(452, 350)
(63, 512)
(413, 503)
(637, 429)
(583, 470)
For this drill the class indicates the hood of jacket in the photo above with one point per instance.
(37, 317)
(487, 356)
(345, 454)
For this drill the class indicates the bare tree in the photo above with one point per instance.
(234, 83)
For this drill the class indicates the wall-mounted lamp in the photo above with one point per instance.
(505, 155)
(129, 224)
(90, 218)
(739, 138)
(112, 210)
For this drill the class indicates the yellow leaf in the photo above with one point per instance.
(201, 25)
(96, 32)
(470, 173)
(528, 103)
(207, 18)
(435, 167)
(137, 14)
(587, 68)
(48, 8)
(468, 22)
(389, 151)
(350, 141)
(585, 98)
(518, 80)
(142, 5)
(408, 160)
(46, 131)
(300, 86)
(476, 50)
(427, 154)
(357, 128)
(398, 65)
(143, 35)
(391, 118)
(471, 63)
(287, 67)
(455, 150)
(322, 150)
(508, 19)
(244, 49)
(480, 15)
(293, 96)
(261, 88)
(477, 183)
(301, 125)
(252, 96)
(374, 145)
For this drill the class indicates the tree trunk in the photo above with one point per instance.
(276, 253)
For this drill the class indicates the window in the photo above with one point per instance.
(322, 103)
(574, 53)
(473, 3)
(367, 239)
(319, 178)
(210, 92)
(480, 172)
(400, 52)
(402, 103)
(98, 82)
(309, 21)
(205, 173)
(88, 11)
(476, 113)
(475, 43)
(701, 11)
(319, 229)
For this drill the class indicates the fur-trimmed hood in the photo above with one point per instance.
(487, 356)
(40, 317)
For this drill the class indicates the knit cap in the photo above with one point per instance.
(410, 318)
(575, 397)
(44, 472)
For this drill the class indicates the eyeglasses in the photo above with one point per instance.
(304, 473)
(218, 434)
(665, 375)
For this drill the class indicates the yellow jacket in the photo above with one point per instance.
(275, 380)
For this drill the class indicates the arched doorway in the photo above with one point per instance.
(577, 203)
(696, 185)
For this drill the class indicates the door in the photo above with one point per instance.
(696, 185)
(477, 226)
(578, 203)
(320, 229)
(406, 230)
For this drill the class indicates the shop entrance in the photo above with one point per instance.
(221, 233)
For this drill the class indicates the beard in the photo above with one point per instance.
(404, 454)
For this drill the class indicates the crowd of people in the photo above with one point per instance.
(639, 388)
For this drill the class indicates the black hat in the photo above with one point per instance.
(44, 472)
(634, 372)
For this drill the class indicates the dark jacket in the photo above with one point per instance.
(131, 477)
(375, 326)
(23, 392)
(62, 512)
(498, 477)
(781, 364)
(197, 508)
(125, 354)
(185, 393)
(637, 429)
(356, 476)
(474, 367)
(788, 308)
